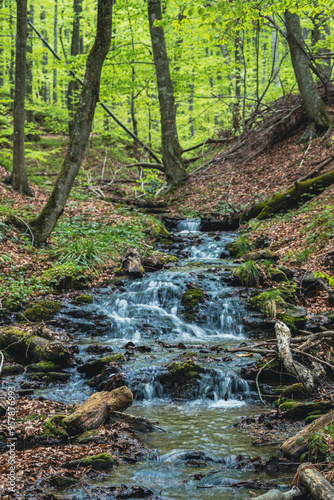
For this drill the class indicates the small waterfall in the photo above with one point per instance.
(189, 225)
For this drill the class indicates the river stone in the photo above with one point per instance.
(102, 461)
(259, 255)
(131, 264)
(295, 318)
(42, 310)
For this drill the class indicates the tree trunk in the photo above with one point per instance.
(171, 150)
(55, 46)
(295, 446)
(322, 30)
(74, 86)
(2, 62)
(94, 412)
(29, 80)
(43, 225)
(318, 116)
(45, 87)
(19, 175)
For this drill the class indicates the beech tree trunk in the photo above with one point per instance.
(19, 175)
(43, 225)
(55, 46)
(171, 150)
(318, 116)
(315, 482)
(30, 114)
(74, 86)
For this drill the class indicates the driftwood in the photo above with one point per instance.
(296, 445)
(94, 412)
(315, 482)
(136, 202)
(138, 424)
(294, 494)
(291, 197)
(292, 367)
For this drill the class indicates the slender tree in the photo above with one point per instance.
(74, 86)
(171, 150)
(19, 175)
(318, 116)
(44, 224)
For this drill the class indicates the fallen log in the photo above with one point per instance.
(294, 494)
(296, 445)
(290, 198)
(94, 412)
(315, 482)
(292, 367)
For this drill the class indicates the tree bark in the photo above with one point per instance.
(315, 482)
(296, 445)
(318, 116)
(43, 225)
(55, 46)
(171, 150)
(94, 412)
(74, 86)
(303, 374)
(29, 67)
(45, 87)
(19, 178)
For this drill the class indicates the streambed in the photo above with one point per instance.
(199, 455)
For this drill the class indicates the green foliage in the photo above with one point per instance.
(320, 446)
(330, 279)
(248, 274)
(16, 289)
(269, 302)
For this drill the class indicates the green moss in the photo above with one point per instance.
(184, 372)
(88, 436)
(11, 370)
(115, 358)
(2, 412)
(44, 366)
(82, 299)
(167, 259)
(66, 276)
(295, 392)
(294, 317)
(42, 311)
(98, 462)
(55, 427)
(276, 275)
(190, 301)
(288, 405)
(248, 274)
(300, 411)
(311, 418)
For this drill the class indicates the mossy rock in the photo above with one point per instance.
(114, 358)
(56, 377)
(311, 418)
(191, 299)
(88, 436)
(295, 392)
(248, 274)
(276, 274)
(11, 370)
(102, 461)
(184, 372)
(168, 259)
(63, 482)
(2, 411)
(43, 310)
(299, 411)
(65, 277)
(82, 300)
(44, 366)
(294, 317)
(289, 273)
(55, 428)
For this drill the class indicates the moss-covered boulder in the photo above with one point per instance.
(256, 255)
(102, 461)
(44, 366)
(248, 274)
(88, 437)
(42, 310)
(95, 366)
(299, 411)
(54, 428)
(82, 300)
(276, 274)
(11, 370)
(26, 348)
(191, 300)
(184, 372)
(63, 482)
(296, 392)
(65, 277)
(294, 317)
(168, 259)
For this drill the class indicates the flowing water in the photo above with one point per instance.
(199, 455)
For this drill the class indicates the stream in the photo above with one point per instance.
(199, 455)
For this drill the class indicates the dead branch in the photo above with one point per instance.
(208, 141)
(315, 482)
(155, 166)
(137, 202)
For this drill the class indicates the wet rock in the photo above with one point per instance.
(131, 492)
(191, 299)
(26, 348)
(43, 366)
(107, 376)
(152, 263)
(11, 370)
(198, 456)
(99, 349)
(93, 367)
(258, 322)
(91, 436)
(295, 391)
(82, 299)
(102, 461)
(63, 481)
(131, 264)
(42, 310)
(299, 411)
(309, 280)
(260, 255)
(115, 382)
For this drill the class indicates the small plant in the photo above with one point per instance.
(320, 446)
(269, 302)
(249, 273)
